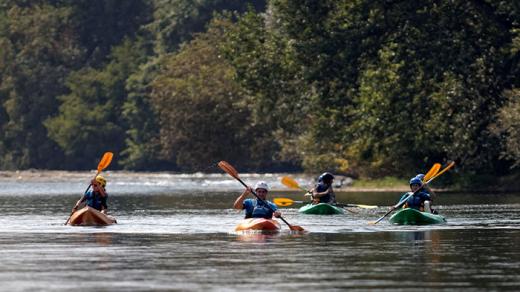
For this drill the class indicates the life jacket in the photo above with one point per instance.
(259, 210)
(95, 200)
(416, 201)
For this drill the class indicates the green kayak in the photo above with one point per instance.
(415, 217)
(320, 209)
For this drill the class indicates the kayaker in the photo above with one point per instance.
(323, 192)
(97, 197)
(255, 208)
(421, 200)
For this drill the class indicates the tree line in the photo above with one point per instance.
(365, 87)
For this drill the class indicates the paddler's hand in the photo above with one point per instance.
(277, 214)
(74, 209)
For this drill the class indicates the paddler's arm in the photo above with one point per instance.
(239, 202)
(401, 199)
(276, 212)
(315, 194)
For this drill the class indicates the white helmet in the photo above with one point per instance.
(261, 185)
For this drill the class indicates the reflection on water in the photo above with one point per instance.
(400, 260)
(186, 241)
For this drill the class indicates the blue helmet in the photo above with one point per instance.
(326, 177)
(420, 176)
(416, 181)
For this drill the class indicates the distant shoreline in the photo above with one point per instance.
(305, 180)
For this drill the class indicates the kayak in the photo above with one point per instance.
(90, 217)
(260, 224)
(321, 209)
(410, 216)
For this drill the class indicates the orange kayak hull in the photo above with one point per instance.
(90, 217)
(259, 224)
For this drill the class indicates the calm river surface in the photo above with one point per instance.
(175, 232)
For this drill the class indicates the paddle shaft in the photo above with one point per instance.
(263, 201)
(354, 206)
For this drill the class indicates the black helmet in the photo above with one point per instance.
(326, 177)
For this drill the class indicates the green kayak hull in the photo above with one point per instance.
(415, 217)
(320, 209)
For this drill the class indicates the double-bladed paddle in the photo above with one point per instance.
(103, 163)
(232, 172)
(401, 203)
(285, 202)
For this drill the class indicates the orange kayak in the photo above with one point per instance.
(90, 217)
(260, 224)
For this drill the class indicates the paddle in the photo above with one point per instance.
(401, 203)
(291, 183)
(103, 163)
(232, 172)
(285, 202)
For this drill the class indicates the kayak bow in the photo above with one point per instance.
(409, 216)
(259, 224)
(90, 217)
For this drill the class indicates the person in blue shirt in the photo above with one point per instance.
(421, 199)
(97, 197)
(255, 208)
(323, 192)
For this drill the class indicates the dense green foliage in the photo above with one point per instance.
(362, 87)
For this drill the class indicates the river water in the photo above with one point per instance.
(175, 233)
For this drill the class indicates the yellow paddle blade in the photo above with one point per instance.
(283, 202)
(289, 182)
(105, 161)
(228, 168)
(432, 172)
(366, 206)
